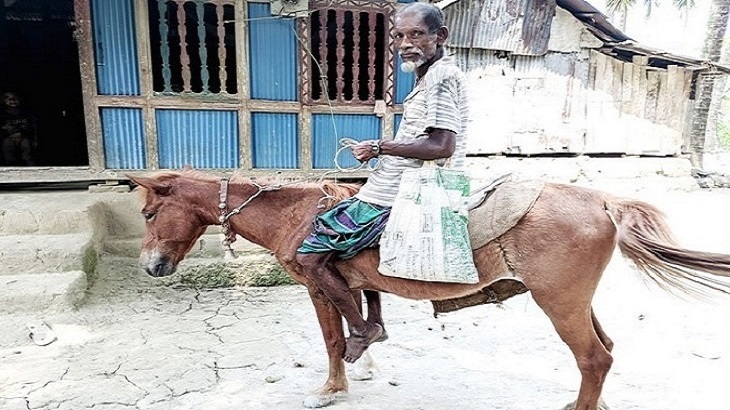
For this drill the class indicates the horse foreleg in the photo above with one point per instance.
(330, 322)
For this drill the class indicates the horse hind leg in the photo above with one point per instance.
(607, 342)
(575, 326)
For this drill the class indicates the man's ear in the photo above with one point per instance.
(442, 33)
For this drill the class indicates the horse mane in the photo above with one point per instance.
(334, 192)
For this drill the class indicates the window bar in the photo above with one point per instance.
(356, 20)
(340, 38)
(202, 48)
(184, 57)
(372, 18)
(324, 83)
(164, 46)
(222, 74)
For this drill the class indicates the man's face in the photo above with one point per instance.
(415, 43)
(11, 100)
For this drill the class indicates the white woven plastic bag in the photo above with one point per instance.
(426, 236)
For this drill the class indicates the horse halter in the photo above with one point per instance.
(228, 235)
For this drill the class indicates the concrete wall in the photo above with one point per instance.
(573, 99)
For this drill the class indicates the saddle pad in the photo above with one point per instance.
(502, 209)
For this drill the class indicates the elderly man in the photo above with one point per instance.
(434, 126)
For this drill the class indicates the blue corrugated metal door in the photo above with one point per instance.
(403, 82)
(201, 138)
(273, 55)
(273, 67)
(115, 47)
(124, 144)
(276, 140)
(117, 73)
(327, 128)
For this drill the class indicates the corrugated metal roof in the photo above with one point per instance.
(517, 26)
(594, 20)
(522, 27)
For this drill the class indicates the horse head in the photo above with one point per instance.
(173, 223)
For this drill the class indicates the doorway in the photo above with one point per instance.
(40, 65)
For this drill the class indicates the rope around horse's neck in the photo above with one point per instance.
(229, 236)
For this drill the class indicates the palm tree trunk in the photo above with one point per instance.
(712, 142)
(716, 27)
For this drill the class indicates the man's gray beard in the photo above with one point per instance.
(410, 66)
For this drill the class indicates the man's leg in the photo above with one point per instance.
(318, 269)
(375, 311)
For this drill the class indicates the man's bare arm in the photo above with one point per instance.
(440, 143)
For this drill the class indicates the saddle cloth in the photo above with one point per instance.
(500, 206)
(505, 204)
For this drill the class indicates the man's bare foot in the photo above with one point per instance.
(357, 343)
(382, 337)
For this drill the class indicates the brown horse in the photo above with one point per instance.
(559, 250)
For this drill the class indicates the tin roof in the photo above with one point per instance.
(518, 26)
(522, 27)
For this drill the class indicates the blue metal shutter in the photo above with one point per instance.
(275, 140)
(325, 137)
(123, 134)
(115, 47)
(273, 55)
(403, 81)
(200, 138)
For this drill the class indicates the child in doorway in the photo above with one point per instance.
(17, 132)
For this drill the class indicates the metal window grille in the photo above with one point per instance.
(348, 54)
(193, 46)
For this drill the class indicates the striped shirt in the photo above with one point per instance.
(439, 100)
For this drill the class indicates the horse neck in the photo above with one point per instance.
(271, 218)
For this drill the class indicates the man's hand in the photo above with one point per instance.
(366, 150)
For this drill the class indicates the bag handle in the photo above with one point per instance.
(433, 163)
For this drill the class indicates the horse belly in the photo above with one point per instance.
(361, 273)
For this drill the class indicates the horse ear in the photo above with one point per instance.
(187, 167)
(160, 188)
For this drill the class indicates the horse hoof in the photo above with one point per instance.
(601, 406)
(315, 400)
(360, 374)
(569, 406)
(364, 369)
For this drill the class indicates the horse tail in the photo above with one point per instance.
(644, 237)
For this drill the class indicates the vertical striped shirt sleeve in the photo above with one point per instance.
(443, 104)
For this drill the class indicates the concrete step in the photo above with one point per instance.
(42, 291)
(29, 254)
(46, 213)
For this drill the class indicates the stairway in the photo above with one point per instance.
(56, 245)
(46, 249)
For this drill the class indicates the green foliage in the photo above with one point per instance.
(275, 276)
(213, 275)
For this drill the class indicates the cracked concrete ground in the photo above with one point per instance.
(139, 346)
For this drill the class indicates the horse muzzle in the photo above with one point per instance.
(156, 265)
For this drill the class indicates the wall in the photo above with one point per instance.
(573, 99)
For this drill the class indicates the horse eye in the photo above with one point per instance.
(148, 215)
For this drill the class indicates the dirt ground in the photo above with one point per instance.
(137, 346)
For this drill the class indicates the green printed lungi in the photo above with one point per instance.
(349, 227)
